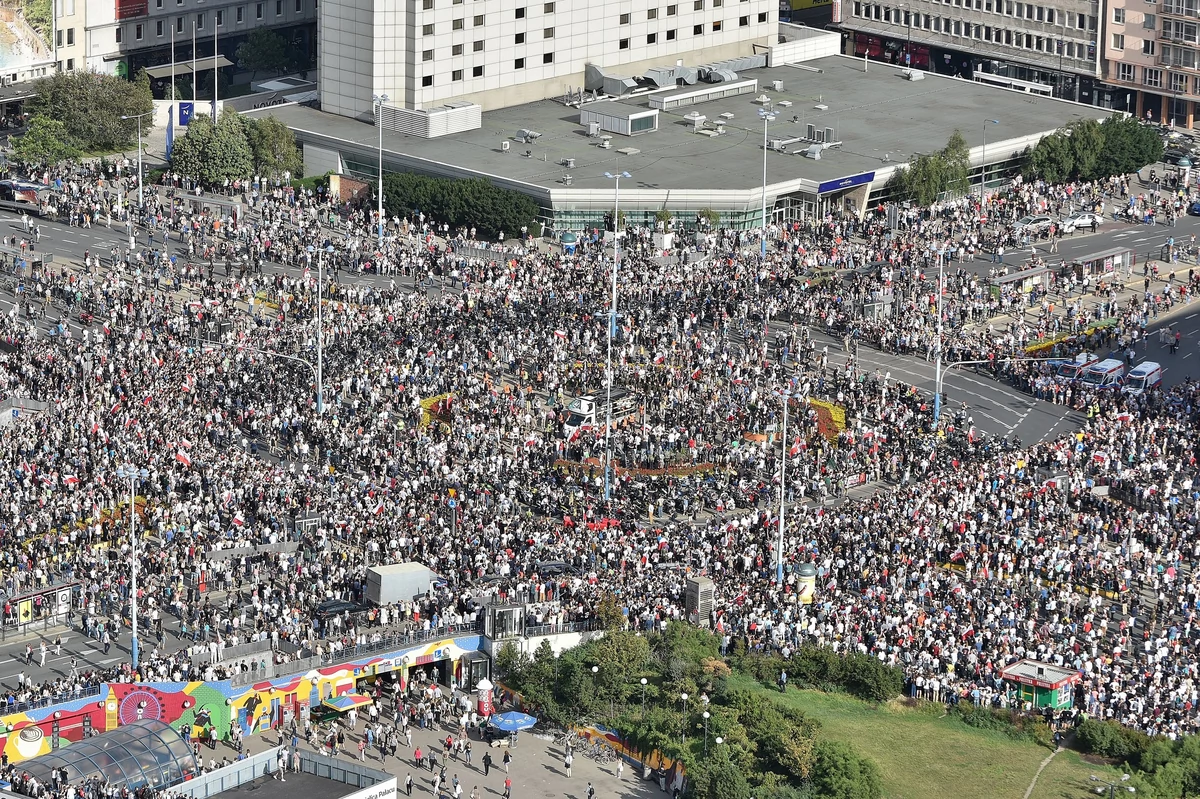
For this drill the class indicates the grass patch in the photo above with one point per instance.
(925, 755)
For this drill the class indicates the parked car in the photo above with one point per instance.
(1080, 220)
(1194, 208)
(1033, 224)
(336, 607)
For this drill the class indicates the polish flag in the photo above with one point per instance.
(146, 401)
(95, 427)
(227, 498)
(183, 458)
(238, 520)
(659, 359)
(116, 408)
(71, 480)
(107, 331)
(183, 442)
(379, 508)
(696, 374)
(560, 333)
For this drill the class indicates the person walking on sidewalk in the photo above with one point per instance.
(567, 761)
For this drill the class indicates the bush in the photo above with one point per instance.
(841, 773)
(460, 203)
(1015, 725)
(1109, 739)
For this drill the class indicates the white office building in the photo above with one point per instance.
(433, 54)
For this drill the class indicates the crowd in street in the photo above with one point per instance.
(438, 437)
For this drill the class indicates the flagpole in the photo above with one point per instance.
(216, 68)
(172, 98)
(193, 64)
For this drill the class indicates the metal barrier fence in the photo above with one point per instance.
(343, 771)
(555, 629)
(49, 701)
(232, 776)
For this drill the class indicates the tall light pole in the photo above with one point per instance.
(138, 117)
(133, 474)
(644, 681)
(937, 374)
(706, 715)
(787, 398)
(1113, 786)
(612, 329)
(684, 698)
(767, 117)
(379, 100)
(908, 41)
(983, 160)
(321, 253)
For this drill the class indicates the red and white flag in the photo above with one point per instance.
(183, 442)
(696, 374)
(239, 520)
(560, 333)
(183, 458)
(379, 507)
(71, 480)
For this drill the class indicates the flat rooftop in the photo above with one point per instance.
(880, 117)
(302, 784)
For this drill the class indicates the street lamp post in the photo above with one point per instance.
(937, 373)
(138, 117)
(1113, 786)
(321, 253)
(706, 715)
(767, 117)
(983, 161)
(787, 398)
(133, 474)
(644, 697)
(379, 100)
(612, 330)
(684, 698)
(908, 41)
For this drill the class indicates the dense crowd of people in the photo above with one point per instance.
(437, 436)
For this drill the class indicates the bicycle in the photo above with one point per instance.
(567, 740)
(601, 752)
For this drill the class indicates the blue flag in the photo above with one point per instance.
(185, 113)
(170, 134)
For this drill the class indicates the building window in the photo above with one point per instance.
(426, 55)
(1125, 72)
(456, 75)
(220, 17)
(520, 12)
(119, 37)
(548, 8)
(158, 28)
(625, 19)
(519, 38)
(652, 13)
(158, 4)
(672, 10)
(477, 72)
(548, 33)
(58, 38)
(716, 26)
(1178, 81)
(1149, 22)
(479, 20)
(279, 8)
(458, 24)
(1152, 77)
(456, 49)
(427, 29)
(1119, 16)
(137, 32)
(427, 80)
(651, 38)
(697, 5)
(426, 5)
(179, 24)
(1118, 42)
(1147, 47)
(697, 30)
(548, 58)
(519, 63)
(70, 64)
(623, 44)
(477, 47)
(762, 16)
(200, 21)
(70, 36)
(258, 10)
(671, 35)
(743, 22)
(241, 14)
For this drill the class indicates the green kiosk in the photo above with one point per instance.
(1043, 684)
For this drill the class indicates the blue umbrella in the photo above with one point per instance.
(512, 721)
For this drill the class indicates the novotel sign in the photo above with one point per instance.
(845, 183)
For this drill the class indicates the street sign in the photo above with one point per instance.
(15, 412)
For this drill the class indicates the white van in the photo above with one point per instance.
(1104, 376)
(1146, 376)
(590, 411)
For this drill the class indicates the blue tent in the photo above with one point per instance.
(512, 721)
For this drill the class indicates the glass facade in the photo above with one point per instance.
(144, 753)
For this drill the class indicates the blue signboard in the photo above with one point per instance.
(185, 113)
(845, 183)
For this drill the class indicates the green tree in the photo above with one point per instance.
(956, 164)
(1086, 140)
(1128, 146)
(228, 155)
(1051, 159)
(44, 142)
(610, 613)
(471, 203)
(273, 146)
(91, 106)
(721, 778)
(263, 50)
(841, 773)
(189, 152)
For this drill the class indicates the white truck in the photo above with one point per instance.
(588, 412)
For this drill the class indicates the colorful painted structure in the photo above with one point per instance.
(218, 704)
(1042, 684)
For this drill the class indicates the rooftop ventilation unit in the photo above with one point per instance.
(813, 151)
(913, 74)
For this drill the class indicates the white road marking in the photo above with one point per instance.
(1192, 316)
(1138, 241)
